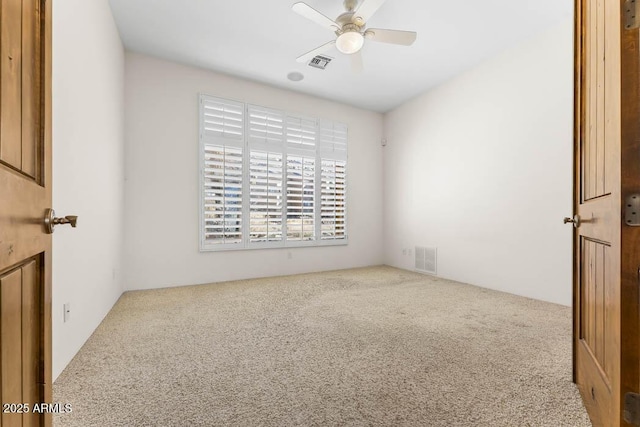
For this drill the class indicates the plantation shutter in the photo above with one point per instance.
(222, 118)
(333, 140)
(266, 162)
(333, 199)
(223, 194)
(269, 178)
(266, 198)
(221, 136)
(266, 127)
(333, 178)
(301, 132)
(301, 177)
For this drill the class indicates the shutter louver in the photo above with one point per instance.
(266, 126)
(301, 132)
(300, 198)
(265, 193)
(222, 118)
(333, 199)
(222, 194)
(333, 139)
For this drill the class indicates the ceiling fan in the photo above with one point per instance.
(350, 30)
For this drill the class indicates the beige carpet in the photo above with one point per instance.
(364, 347)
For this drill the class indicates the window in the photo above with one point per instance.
(269, 178)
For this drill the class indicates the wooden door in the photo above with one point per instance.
(606, 250)
(25, 193)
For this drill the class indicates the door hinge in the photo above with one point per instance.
(632, 408)
(631, 18)
(632, 210)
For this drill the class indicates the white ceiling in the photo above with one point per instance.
(260, 40)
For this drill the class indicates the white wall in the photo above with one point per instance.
(481, 168)
(161, 186)
(88, 170)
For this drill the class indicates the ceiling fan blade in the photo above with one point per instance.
(356, 62)
(312, 53)
(405, 38)
(310, 13)
(366, 10)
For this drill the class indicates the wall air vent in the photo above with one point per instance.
(320, 62)
(426, 260)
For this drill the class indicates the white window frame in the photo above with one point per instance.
(330, 144)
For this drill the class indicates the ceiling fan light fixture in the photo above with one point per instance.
(349, 42)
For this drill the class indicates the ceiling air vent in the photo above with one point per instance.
(320, 61)
(426, 260)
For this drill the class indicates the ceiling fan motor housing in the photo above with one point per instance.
(346, 21)
(349, 28)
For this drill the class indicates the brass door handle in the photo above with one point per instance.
(575, 220)
(50, 220)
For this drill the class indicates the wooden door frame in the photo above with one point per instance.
(630, 236)
(47, 54)
(629, 338)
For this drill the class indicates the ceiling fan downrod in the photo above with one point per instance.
(350, 5)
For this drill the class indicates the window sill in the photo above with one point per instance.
(267, 245)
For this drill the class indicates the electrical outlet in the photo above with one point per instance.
(67, 312)
(404, 251)
(289, 255)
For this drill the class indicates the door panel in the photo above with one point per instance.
(20, 66)
(594, 148)
(20, 349)
(11, 83)
(11, 351)
(31, 98)
(25, 191)
(32, 351)
(594, 302)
